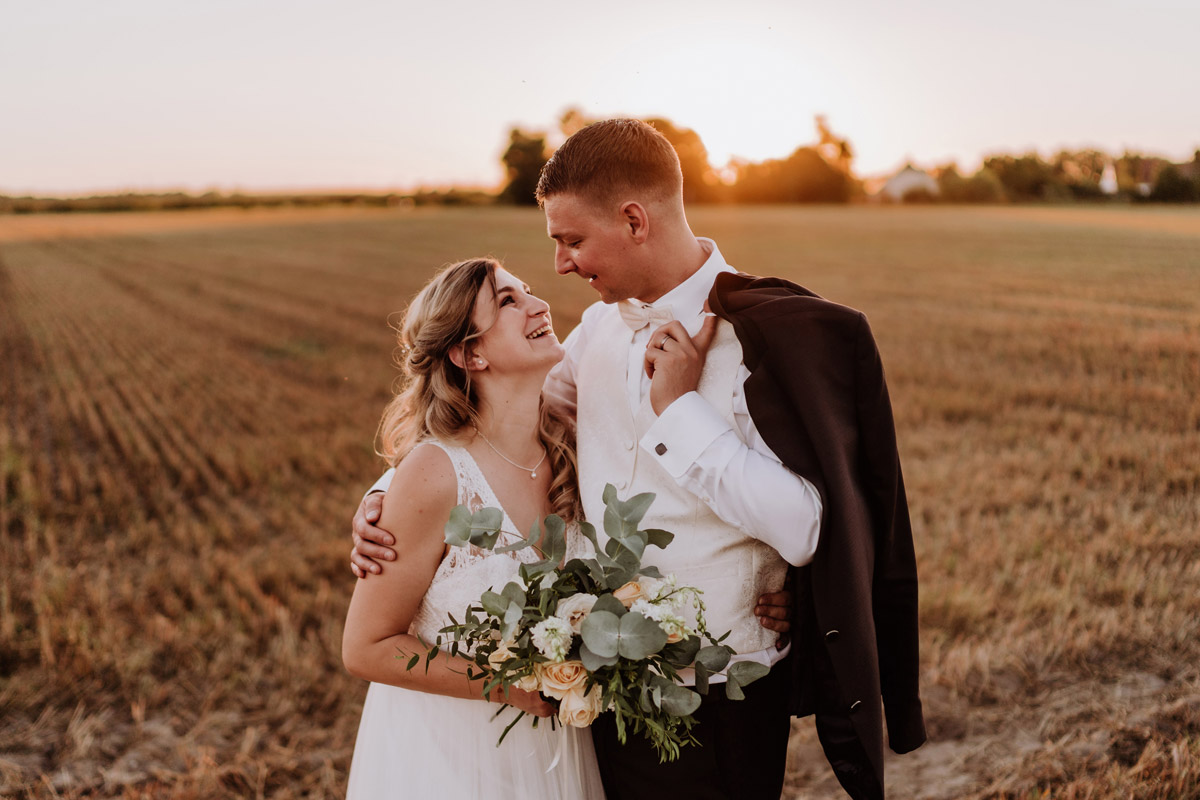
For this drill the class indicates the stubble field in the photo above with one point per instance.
(187, 408)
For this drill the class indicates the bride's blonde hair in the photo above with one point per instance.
(436, 397)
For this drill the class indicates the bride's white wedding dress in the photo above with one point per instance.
(418, 745)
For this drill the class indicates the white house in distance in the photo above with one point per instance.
(909, 179)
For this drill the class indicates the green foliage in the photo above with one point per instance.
(523, 162)
(1173, 186)
(626, 653)
(802, 177)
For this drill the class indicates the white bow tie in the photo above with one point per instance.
(638, 317)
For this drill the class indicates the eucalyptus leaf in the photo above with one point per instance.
(610, 493)
(640, 637)
(554, 542)
(658, 537)
(702, 674)
(493, 603)
(487, 519)
(636, 542)
(513, 592)
(633, 509)
(649, 570)
(678, 701)
(589, 532)
(606, 602)
(747, 672)
(733, 690)
(601, 632)
(713, 657)
(458, 527)
(510, 620)
(593, 662)
(683, 652)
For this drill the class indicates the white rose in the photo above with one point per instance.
(574, 609)
(579, 710)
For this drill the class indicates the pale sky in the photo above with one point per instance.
(158, 94)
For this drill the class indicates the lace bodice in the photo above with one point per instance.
(466, 572)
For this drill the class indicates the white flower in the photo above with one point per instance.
(575, 609)
(552, 637)
(664, 614)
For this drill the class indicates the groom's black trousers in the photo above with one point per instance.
(742, 750)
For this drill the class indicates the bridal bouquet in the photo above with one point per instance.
(596, 634)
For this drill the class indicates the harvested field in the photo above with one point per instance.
(186, 421)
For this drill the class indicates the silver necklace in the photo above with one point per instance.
(532, 472)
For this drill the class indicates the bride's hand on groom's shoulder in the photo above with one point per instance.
(371, 544)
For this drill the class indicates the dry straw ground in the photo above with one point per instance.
(188, 403)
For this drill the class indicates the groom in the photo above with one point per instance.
(766, 434)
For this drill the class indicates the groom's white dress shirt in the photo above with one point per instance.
(729, 467)
(726, 465)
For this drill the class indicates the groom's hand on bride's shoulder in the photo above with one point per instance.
(371, 544)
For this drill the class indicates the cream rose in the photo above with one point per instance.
(498, 656)
(629, 594)
(574, 610)
(529, 683)
(562, 678)
(579, 710)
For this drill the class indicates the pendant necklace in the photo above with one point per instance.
(532, 471)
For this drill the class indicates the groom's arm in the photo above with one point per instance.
(373, 544)
(729, 467)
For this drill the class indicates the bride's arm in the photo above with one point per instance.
(418, 503)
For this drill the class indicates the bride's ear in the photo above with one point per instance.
(464, 360)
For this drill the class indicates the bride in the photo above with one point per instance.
(470, 428)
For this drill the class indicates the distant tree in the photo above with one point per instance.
(1026, 178)
(802, 177)
(982, 187)
(700, 183)
(1173, 186)
(833, 148)
(523, 161)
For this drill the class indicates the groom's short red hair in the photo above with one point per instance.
(612, 157)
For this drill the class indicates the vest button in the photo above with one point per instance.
(832, 636)
(629, 444)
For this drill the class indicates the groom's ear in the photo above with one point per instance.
(636, 220)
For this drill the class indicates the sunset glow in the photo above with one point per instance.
(146, 95)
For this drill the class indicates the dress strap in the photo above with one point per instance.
(473, 489)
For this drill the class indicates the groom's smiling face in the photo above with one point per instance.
(595, 242)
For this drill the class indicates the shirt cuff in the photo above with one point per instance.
(682, 432)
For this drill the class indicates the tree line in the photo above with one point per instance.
(820, 171)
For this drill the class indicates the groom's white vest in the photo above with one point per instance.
(732, 568)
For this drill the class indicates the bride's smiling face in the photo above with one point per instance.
(517, 333)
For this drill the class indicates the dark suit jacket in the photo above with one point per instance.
(817, 395)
